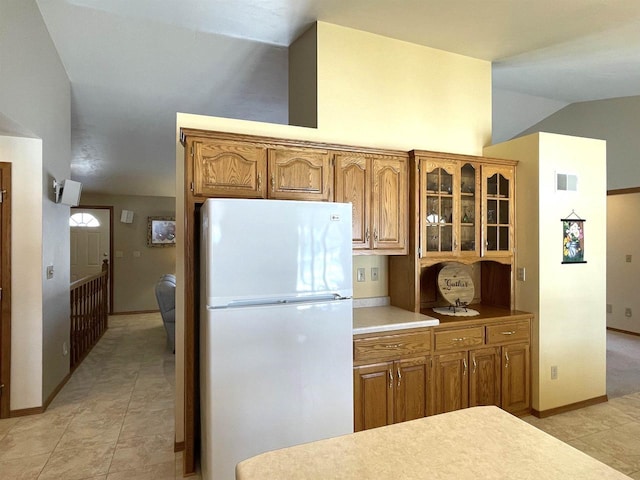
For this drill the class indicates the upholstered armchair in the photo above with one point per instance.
(166, 296)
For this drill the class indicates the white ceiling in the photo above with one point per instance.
(134, 63)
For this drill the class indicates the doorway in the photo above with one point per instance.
(91, 242)
(5, 288)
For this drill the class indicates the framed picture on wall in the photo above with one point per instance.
(573, 240)
(161, 231)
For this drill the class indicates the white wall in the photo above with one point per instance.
(568, 300)
(514, 112)
(372, 91)
(614, 120)
(35, 93)
(25, 156)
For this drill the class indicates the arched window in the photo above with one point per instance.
(83, 220)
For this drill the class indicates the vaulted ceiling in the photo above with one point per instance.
(134, 64)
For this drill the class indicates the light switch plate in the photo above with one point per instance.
(374, 274)
(49, 272)
(360, 275)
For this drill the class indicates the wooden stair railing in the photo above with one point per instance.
(89, 310)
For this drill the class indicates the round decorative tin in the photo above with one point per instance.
(455, 285)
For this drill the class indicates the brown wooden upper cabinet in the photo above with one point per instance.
(466, 207)
(498, 209)
(449, 207)
(228, 169)
(243, 169)
(300, 174)
(376, 186)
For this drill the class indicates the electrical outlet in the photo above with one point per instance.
(627, 312)
(522, 274)
(360, 275)
(554, 372)
(628, 258)
(374, 274)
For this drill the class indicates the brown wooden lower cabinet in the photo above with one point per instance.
(468, 366)
(390, 392)
(467, 379)
(516, 378)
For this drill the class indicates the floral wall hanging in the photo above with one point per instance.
(573, 239)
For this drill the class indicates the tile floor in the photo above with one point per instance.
(113, 420)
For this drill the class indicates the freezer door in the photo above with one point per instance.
(267, 249)
(273, 377)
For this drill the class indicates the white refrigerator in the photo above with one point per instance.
(276, 365)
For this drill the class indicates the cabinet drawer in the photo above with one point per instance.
(459, 338)
(508, 332)
(391, 346)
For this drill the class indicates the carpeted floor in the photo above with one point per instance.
(623, 364)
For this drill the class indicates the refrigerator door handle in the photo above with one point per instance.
(283, 301)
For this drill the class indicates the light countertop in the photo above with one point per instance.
(477, 443)
(387, 318)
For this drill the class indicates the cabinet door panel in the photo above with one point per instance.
(352, 186)
(373, 395)
(484, 379)
(498, 188)
(451, 382)
(516, 378)
(300, 175)
(439, 182)
(229, 169)
(389, 208)
(412, 387)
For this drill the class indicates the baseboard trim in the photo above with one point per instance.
(56, 390)
(178, 447)
(623, 331)
(623, 191)
(23, 412)
(570, 407)
(134, 312)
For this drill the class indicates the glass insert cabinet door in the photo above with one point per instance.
(438, 210)
(469, 208)
(498, 196)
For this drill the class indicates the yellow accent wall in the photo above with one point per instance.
(568, 300)
(381, 92)
(372, 91)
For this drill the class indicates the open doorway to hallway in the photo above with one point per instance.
(623, 363)
(91, 243)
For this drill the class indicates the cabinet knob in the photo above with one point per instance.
(506, 357)
(464, 362)
(399, 375)
(390, 379)
(366, 235)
